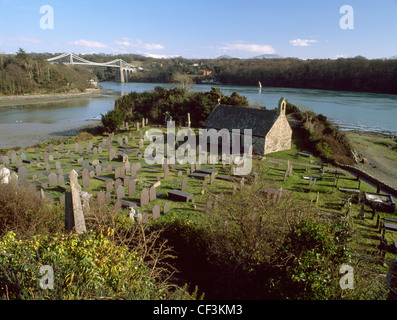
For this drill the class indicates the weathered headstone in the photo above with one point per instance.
(117, 183)
(22, 174)
(152, 194)
(101, 197)
(156, 212)
(166, 207)
(144, 197)
(120, 192)
(52, 179)
(131, 188)
(184, 184)
(74, 216)
(109, 186)
(112, 154)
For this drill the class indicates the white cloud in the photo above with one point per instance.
(158, 56)
(257, 48)
(301, 42)
(88, 44)
(138, 44)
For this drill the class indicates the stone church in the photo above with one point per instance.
(271, 131)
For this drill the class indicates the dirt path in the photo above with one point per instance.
(378, 153)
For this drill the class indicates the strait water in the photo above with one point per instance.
(350, 110)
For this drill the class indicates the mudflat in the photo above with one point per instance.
(380, 153)
(10, 101)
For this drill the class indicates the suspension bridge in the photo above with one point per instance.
(123, 73)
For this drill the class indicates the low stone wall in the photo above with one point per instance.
(385, 188)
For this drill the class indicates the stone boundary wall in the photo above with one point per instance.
(368, 177)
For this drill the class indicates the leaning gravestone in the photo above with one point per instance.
(74, 216)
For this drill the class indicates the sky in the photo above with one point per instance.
(305, 29)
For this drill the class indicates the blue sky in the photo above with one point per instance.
(306, 29)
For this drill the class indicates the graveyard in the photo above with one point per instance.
(110, 170)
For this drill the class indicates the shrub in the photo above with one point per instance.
(113, 120)
(85, 266)
(313, 251)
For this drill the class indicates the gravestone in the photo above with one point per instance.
(86, 180)
(117, 183)
(144, 197)
(52, 179)
(212, 178)
(22, 175)
(6, 160)
(61, 147)
(57, 165)
(112, 154)
(109, 168)
(74, 216)
(156, 212)
(120, 192)
(131, 188)
(61, 179)
(51, 148)
(152, 194)
(101, 197)
(166, 207)
(98, 170)
(184, 184)
(109, 186)
(13, 157)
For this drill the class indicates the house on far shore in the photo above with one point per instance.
(271, 131)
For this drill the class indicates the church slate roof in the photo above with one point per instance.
(231, 117)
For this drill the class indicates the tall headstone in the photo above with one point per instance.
(74, 216)
(120, 192)
(152, 194)
(144, 197)
(184, 184)
(131, 188)
(156, 212)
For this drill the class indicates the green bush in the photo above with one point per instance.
(85, 266)
(314, 251)
(113, 120)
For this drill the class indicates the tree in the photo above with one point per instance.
(113, 120)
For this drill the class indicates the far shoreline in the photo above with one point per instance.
(12, 101)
